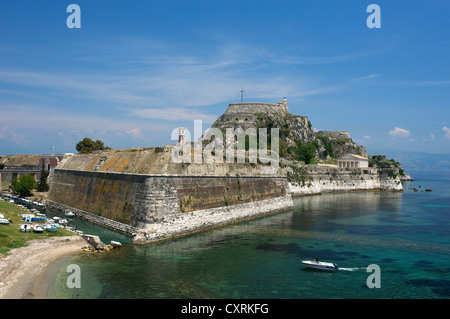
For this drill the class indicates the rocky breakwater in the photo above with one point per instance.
(95, 244)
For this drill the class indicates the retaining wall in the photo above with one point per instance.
(140, 200)
(313, 179)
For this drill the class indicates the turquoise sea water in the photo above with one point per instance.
(406, 234)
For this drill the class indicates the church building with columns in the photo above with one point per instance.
(353, 161)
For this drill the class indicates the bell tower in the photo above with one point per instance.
(181, 135)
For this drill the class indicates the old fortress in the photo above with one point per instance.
(144, 194)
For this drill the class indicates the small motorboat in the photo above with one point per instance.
(68, 213)
(51, 228)
(63, 221)
(38, 229)
(25, 228)
(115, 244)
(26, 215)
(319, 265)
(4, 221)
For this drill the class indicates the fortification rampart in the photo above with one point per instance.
(143, 201)
(313, 179)
(158, 161)
(258, 108)
(14, 166)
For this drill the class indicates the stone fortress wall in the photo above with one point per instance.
(123, 186)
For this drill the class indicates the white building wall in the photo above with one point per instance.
(352, 163)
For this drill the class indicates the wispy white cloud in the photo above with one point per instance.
(365, 77)
(155, 75)
(419, 83)
(64, 128)
(10, 135)
(400, 132)
(446, 132)
(67, 122)
(135, 132)
(173, 114)
(143, 80)
(312, 60)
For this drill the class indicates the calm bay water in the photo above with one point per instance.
(406, 234)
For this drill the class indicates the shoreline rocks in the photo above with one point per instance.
(95, 244)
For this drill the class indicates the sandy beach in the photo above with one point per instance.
(27, 271)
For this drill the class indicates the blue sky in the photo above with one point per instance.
(136, 70)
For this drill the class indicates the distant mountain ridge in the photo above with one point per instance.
(417, 160)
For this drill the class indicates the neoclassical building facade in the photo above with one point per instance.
(353, 160)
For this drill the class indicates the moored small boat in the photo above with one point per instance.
(38, 229)
(25, 228)
(115, 244)
(68, 213)
(4, 221)
(319, 265)
(51, 228)
(23, 216)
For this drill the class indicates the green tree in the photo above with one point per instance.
(306, 152)
(42, 185)
(24, 185)
(88, 146)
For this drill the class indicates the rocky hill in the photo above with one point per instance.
(390, 166)
(295, 132)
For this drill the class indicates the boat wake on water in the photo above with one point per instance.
(352, 268)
